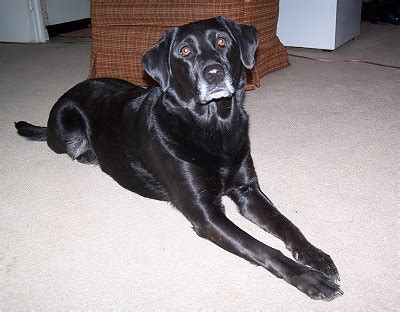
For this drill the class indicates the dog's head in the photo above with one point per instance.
(204, 60)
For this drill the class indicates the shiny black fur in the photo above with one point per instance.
(169, 143)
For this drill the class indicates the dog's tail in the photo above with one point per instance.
(31, 132)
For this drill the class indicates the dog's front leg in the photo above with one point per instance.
(196, 195)
(255, 206)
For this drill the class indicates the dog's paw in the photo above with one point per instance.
(316, 285)
(318, 260)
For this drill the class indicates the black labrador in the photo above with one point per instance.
(186, 141)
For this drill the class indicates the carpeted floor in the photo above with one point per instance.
(325, 140)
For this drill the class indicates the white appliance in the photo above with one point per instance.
(319, 24)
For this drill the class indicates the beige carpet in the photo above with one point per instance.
(325, 139)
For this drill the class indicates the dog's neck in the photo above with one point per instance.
(217, 114)
(213, 130)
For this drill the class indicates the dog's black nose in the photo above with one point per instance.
(213, 73)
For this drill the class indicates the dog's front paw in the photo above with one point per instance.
(316, 285)
(318, 260)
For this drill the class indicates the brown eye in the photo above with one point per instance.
(222, 41)
(185, 51)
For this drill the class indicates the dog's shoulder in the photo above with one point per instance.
(144, 99)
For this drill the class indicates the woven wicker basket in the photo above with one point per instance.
(124, 29)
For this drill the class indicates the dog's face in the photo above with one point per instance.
(204, 60)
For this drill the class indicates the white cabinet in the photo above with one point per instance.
(320, 24)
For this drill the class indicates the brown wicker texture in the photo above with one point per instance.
(124, 29)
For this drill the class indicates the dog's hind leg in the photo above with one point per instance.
(69, 132)
(77, 147)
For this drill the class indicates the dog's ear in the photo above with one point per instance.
(156, 60)
(247, 38)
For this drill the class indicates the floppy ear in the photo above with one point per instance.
(156, 60)
(247, 38)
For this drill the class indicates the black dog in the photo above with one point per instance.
(186, 142)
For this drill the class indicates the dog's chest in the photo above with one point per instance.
(213, 149)
(217, 146)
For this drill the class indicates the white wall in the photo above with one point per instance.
(61, 11)
(21, 21)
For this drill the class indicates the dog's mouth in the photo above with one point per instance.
(209, 92)
(216, 94)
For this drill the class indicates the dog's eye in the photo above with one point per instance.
(222, 42)
(185, 51)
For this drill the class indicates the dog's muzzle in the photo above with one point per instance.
(215, 83)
